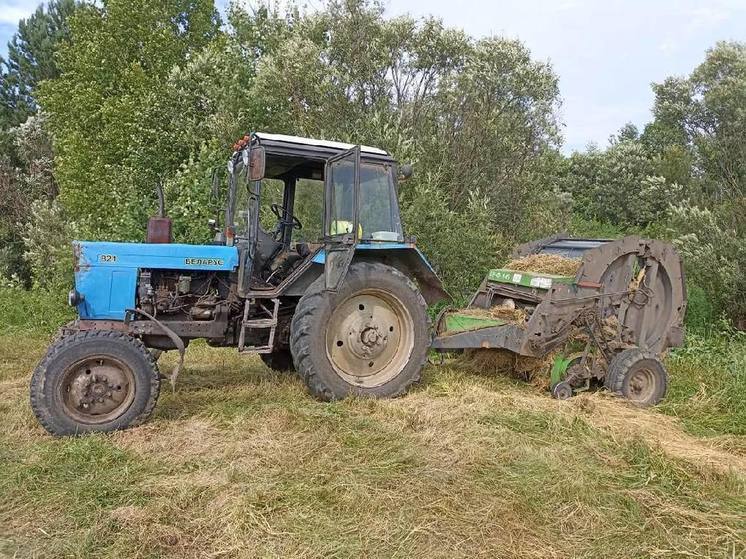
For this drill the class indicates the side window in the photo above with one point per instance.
(379, 216)
(309, 209)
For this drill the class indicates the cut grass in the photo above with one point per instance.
(241, 462)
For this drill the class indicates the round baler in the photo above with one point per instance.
(621, 311)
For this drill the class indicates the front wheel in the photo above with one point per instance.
(94, 381)
(370, 338)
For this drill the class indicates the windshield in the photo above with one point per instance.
(379, 211)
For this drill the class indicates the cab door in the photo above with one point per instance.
(341, 214)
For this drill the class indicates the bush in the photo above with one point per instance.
(462, 246)
(48, 236)
(37, 311)
(619, 185)
(713, 257)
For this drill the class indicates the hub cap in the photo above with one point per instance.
(641, 385)
(97, 389)
(369, 338)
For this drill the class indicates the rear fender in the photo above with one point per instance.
(412, 263)
(405, 257)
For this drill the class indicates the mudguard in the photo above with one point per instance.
(405, 257)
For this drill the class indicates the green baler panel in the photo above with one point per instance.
(456, 323)
(527, 279)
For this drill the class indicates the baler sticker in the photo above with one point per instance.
(204, 261)
(542, 283)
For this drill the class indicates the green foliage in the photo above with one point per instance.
(48, 236)
(619, 185)
(31, 59)
(26, 160)
(22, 184)
(114, 137)
(37, 311)
(705, 112)
(700, 311)
(593, 229)
(708, 381)
(714, 256)
(471, 247)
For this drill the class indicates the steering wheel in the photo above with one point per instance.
(279, 210)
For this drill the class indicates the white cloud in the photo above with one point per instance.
(14, 10)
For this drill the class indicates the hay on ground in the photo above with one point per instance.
(535, 370)
(545, 264)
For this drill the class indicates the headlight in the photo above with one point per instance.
(74, 298)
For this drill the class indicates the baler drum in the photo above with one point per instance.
(655, 301)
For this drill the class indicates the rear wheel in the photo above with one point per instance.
(638, 376)
(370, 338)
(94, 381)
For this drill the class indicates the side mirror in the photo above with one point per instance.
(256, 163)
(405, 171)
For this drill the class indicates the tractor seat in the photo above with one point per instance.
(267, 249)
(269, 254)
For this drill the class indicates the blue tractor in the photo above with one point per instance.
(322, 280)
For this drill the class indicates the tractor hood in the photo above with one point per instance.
(106, 273)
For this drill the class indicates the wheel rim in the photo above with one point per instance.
(97, 389)
(641, 385)
(369, 338)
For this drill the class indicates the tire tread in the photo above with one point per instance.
(302, 327)
(64, 342)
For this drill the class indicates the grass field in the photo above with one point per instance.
(241, 462)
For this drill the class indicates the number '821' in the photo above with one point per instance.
(107, 257)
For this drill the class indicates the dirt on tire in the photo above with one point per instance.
(64, 353)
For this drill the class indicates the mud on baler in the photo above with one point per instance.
(610, 323)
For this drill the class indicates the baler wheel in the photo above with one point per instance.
(562, 391)
(94, 381)
(638, 376)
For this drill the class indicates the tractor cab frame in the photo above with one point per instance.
(353, 176)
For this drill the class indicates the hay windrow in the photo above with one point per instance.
(545, 264)
(534, 370)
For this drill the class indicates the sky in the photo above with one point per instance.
(606, 52)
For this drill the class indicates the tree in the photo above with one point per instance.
(619, 185)
(704, 112)
(31, 54)
(114, 139)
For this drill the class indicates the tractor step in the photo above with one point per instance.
(258, 323)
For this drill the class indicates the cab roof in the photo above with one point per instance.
(305, 157)
(269, 140)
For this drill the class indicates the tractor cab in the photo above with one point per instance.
(289, 196)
